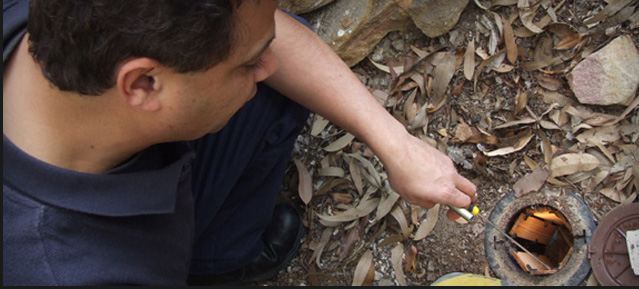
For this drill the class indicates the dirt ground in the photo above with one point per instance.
(450, 246)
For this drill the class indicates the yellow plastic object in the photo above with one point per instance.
(474, 209)
(468, 279)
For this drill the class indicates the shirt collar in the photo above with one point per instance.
(146, 184)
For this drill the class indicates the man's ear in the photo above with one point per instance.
(138, 83)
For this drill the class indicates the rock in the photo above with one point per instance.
(436, 17)
(608, 76)
(302, 6)
(353, 28)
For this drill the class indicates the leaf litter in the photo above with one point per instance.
(498, 103)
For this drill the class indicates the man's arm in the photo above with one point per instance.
(312, 74)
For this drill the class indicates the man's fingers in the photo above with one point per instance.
(467, 187)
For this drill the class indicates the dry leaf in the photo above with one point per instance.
(464, 132)
(531, 182)
(570, 41)
(548, 82)
(521, 143)
(386, 204)
(442, 75)
(469, 60)
(356, 175)
(329, 185)
(411, 259)
(396, 259)
(319, 123)
(421, 119)
(571, 163)
(370, 168)
(340, 143)
(612, 194)
(496, 3)
(331, 172)
(348, 243)
(527, 15)
(604, 135)
(305, 185)
(531, 163)
(317, 254)
(484, 64)
(365, 270)
(509, 40)
(546, 148)
(427, 225)
(365, 207)
(399, 216)
(388, 69)
(482, 6)
(521, 101)
(608, 11)
(345, 198)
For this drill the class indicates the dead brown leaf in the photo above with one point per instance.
(509, 40)
(571, 163)
(531, 182)
(442, 75)
(469, 60)
(365, 270)
(427, 225)
(305, 186)
(397, 255)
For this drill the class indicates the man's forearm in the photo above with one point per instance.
(313, 75)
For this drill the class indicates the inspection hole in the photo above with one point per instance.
(546, 233)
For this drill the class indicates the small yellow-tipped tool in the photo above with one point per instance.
(467, 214)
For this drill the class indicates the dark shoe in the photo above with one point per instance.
(281, 244)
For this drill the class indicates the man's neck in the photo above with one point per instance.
(80, 133)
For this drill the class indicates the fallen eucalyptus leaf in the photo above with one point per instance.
(509, 40)
(365, 207)
(531, 182)
(521, 143)
(340, 143)
(319, 123)
(305, 186)
(571, 163)
(612, 194)
(427, 225)
(399, 216)
(365, 270)
(386, 204)
(397, 255)
(469, 60)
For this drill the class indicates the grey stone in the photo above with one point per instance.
(608, 76)
(436, 17)
(369, 20)
(354, 28)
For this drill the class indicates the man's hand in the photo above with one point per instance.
(424, 176)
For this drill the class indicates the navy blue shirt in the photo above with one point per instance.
(131, 225)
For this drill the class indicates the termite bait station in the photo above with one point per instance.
(556, 226)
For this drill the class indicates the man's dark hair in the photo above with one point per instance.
(80, 43)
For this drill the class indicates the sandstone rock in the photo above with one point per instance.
(302, 6)
(608, 76)
(436, 17)
(353, 28)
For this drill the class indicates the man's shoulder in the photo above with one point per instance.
(14, 24)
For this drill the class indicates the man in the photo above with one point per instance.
(144, 142)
